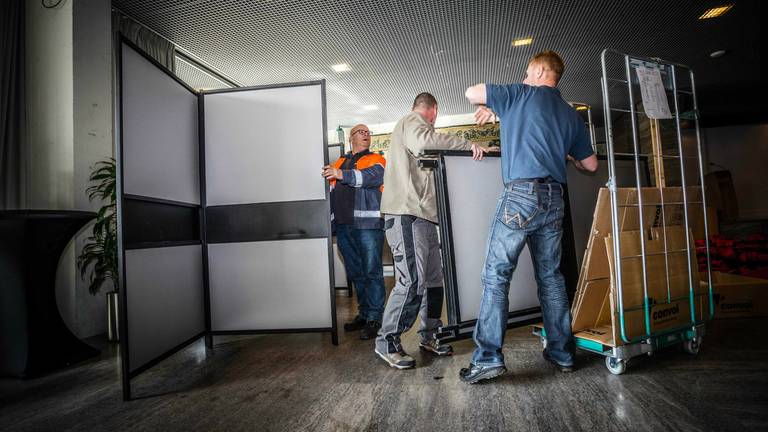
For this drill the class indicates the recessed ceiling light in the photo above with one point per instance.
(715, 12)
(521, 42)
(370, 107)
(341, 67)
(716, 54)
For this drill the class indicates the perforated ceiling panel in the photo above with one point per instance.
(398, 48)
(196, 77)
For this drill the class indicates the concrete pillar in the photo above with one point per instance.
(69, 128)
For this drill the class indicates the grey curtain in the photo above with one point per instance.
(11, 104)
(155, 46)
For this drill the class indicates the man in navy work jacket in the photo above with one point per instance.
(356, 184)
(539, 131)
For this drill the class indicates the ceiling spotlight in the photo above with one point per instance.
(521, 42)
(341, 67)
(370, 107)
(715, 12)
(716, 54)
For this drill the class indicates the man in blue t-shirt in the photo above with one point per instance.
(539, 133)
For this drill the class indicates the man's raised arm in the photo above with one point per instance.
(476, 94)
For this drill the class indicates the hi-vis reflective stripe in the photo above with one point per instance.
(358, 178)
(367, 213)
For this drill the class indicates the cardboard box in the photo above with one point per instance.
(739, 296)
(595, 306)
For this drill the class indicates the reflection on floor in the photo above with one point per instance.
(302, 382)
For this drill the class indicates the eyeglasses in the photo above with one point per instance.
(362, 132)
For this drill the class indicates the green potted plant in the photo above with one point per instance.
(99, 255)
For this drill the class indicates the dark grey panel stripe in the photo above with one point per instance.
(158, 223)
(268, 221)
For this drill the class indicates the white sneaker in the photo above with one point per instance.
(398, 360)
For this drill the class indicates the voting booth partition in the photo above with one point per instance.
(467, 194)
(223, 221)
(465, 210)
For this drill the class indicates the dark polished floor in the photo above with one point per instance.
(301, 382)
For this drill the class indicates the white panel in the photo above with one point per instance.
(264, 145)
(339, 272)
(334, 153)
(160, 140)
(165, 299)
(270, 285)
(472, 209)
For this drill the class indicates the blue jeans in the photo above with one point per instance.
(527, 213)
(361, 249)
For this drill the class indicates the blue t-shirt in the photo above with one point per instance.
(538, 130)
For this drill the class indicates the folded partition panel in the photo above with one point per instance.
(168, 308)
(159, 229)
(467, 194)
(267, 215)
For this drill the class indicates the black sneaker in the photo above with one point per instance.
(561, 368)
(474, 373)
(370, 330)
(435, 347)
(355, 324)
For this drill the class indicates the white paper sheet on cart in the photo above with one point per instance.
(652, 89)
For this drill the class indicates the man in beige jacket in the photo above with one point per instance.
(410, 222)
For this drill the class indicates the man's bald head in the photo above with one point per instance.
(360, 138)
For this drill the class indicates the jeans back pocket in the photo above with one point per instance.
(519, 209)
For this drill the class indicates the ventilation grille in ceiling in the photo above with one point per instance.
(197, 78)
(398, 48)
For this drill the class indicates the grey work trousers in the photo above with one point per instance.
(418, 286)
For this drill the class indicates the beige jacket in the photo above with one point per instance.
(408, 189)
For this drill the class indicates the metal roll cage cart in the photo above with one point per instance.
(643, 335)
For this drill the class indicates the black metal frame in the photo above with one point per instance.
(333, 329)
(117, 49)
(203, 218)
(121, 198)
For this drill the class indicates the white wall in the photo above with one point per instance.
(49, 93)
(743, 150)
(69, 128)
